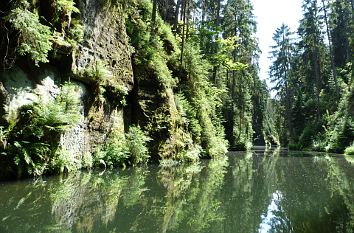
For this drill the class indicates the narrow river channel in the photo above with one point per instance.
(259, 191)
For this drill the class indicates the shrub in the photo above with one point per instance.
(293, 146)
(35, 38)
(33, 138)
(71, 31)
(340, 130)
(3, 138)
(115, 151)
(97, 72)
(87, 160)
(137, 145)
(349, 150)
(66, 7)
(76, 32)
(122, 149)
(64, 161)
(189, 117)
(307, 136)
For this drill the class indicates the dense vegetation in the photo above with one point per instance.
(312, 72)
(196, 89)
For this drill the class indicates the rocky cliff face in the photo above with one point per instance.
(104, 42)
(128, 90)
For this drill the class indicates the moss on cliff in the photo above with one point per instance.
(112, 49)
(160, 77)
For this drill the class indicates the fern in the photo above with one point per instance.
(35, 38)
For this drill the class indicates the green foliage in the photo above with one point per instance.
(205, 98)
(114, 153)
(102, 77)
(38, 34)
(191, 153)
(313, 79)
(340, 130)
(270, 130)
(224, 55)
(3, 138)
(189, 117)
(239, 74)
(31, 157)
(34, 37)
(136, 141)
(97, 72)
(87, 160)
(349, 150)
(122, 149)
(33, 138)
(55, 115)
(196, 127)
(151, 48)
(70, 32)
(64, 161)
(75, 32)
(67, 7)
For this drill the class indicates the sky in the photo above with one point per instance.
(270, 14)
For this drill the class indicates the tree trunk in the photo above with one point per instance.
(334, 72)
(183, 30)
(175, 26)
(154, 11)
(217, 23)
(317, 66)
(183, 9)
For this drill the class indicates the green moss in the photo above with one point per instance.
(105, 83)
(206, 100)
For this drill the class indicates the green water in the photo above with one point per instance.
(246, 192)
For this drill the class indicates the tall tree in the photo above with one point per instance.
(279, 71)
(167, 10)
(175, 24)
(312, 44)
(239, 22)
(341, 27)
(154, 12)
(331, 55)
(185, 18)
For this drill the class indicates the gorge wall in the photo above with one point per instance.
(119, 74)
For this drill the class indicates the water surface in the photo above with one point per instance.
(245, 192)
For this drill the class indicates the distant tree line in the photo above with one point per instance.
(312, 74)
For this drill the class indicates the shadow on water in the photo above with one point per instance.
(259, 191)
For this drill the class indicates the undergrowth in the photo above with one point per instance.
(31, 140)
(124, 149)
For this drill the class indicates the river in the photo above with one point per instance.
(259, 191)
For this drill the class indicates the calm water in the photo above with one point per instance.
(246, 192)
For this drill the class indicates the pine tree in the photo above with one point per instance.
(312, 45)
(280, 69)
(341, 30)
(239, 22)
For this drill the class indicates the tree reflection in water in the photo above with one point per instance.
(243, 192)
